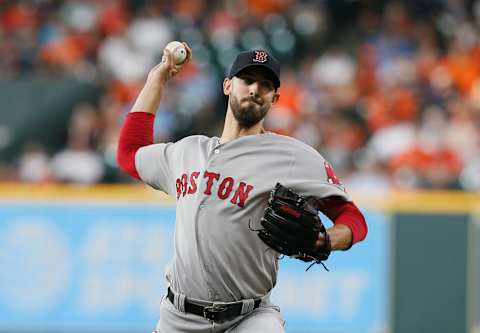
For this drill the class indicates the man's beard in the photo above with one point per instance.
(250, 113)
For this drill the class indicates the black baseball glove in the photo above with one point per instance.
(291, 226)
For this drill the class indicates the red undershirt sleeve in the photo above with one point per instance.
(347, 213)
(136, 132)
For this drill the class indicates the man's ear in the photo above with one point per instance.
(275, 98)
(227, 86)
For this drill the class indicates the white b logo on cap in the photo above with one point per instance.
(260, 56)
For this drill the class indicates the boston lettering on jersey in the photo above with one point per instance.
(187, 185)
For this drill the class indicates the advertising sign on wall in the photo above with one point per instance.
(100, 268)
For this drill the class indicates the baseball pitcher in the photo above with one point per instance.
(242, 200)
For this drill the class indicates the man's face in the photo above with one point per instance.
(251, 96)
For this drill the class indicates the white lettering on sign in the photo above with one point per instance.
(351, 289)
(336, 294)
(121, 261)
(35, 265)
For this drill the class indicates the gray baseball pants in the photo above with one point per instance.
(266, 319)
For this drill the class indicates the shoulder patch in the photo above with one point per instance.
(332, 178)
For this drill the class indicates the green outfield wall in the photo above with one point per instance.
(430, 272)
(435, 259)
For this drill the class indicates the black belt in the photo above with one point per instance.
(215, 312)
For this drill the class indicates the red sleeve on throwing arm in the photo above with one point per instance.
(347, 213)
(137, 131)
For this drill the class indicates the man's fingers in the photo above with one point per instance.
(189, 52)
(176, 70)
(168, 58)
(320, 241)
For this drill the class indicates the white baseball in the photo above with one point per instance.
(178, 51)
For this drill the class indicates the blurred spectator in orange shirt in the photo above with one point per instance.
(432, 162)
(284, 114)
(19, 15)
(113, 17)
(262, 8)
(462, 66)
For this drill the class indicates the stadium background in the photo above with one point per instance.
(388, 91)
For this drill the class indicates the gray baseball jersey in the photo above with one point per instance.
(220, 189)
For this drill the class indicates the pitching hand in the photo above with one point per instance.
(167, 69)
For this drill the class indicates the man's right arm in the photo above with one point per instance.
(137, 130)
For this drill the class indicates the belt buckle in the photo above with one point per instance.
(210, 312)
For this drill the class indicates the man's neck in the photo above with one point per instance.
(232, 130)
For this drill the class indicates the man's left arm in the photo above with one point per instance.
(349, 226)
(340, 237)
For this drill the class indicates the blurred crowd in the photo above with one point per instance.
(388, 92)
